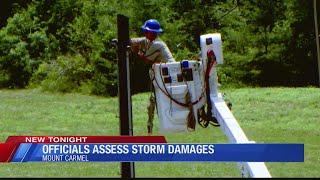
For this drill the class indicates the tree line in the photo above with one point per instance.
(66, 45)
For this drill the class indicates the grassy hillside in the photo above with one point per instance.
(267, 115)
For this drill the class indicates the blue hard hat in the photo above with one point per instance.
(152, 25)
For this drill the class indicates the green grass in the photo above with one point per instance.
(267, 115)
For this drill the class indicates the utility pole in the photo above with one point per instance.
(317, 35)
(124, 93)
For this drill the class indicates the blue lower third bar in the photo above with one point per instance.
(164, 153)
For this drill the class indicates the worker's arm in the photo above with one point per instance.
(135, 47)
(136, 44)
(146, 60)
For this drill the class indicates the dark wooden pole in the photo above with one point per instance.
(317, 36)
(124, 93)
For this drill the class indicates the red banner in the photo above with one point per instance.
(7, 151)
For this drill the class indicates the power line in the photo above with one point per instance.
(229, 11)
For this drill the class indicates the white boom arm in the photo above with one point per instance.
(230, 127)
(228, 124)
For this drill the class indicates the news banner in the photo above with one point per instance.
(139, 149)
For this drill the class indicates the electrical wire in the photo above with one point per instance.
(202, 120)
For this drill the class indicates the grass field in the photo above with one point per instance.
(267, 115)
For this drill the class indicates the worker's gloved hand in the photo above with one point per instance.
(135, 48)
(140, 54)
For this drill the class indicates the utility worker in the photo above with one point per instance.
(151, 49)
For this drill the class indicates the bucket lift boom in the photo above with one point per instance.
(174, 82)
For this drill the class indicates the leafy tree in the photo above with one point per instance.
(15, 62)
(265, 43)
